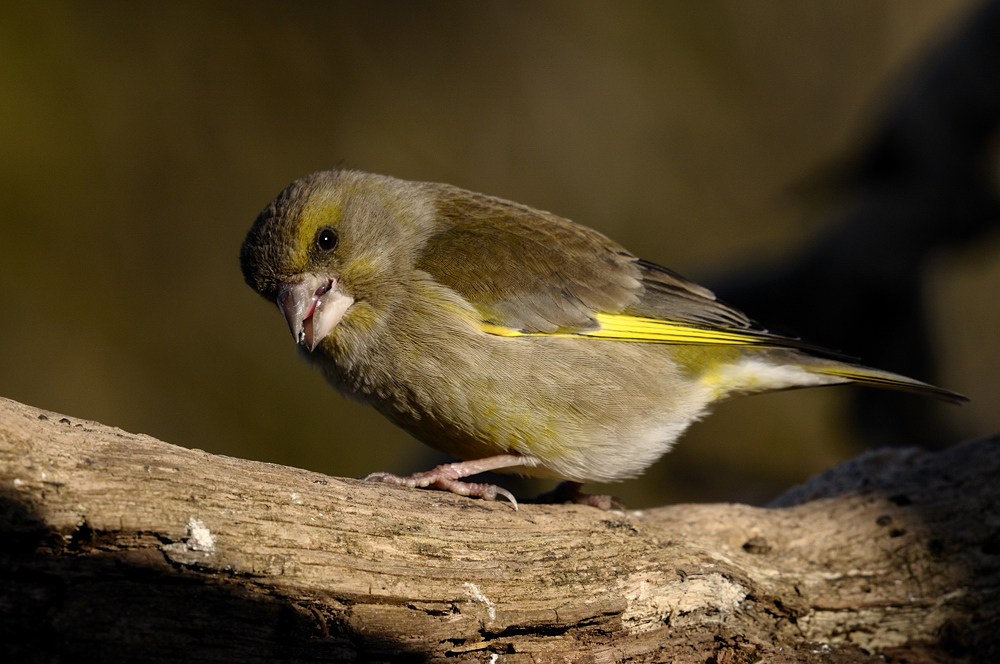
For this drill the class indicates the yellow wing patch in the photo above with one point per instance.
(620, 327)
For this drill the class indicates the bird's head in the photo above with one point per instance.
(333, 247)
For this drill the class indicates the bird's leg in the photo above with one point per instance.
(569, 492)
(447, 477)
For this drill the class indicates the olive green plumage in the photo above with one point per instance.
(484, 327)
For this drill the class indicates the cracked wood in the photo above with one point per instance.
(131, 547)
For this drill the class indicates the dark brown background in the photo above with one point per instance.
(138, 143)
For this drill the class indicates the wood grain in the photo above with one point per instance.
(117, 546)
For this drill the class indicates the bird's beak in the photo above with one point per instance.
(312, 306)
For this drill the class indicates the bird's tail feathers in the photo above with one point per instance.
(857, 373)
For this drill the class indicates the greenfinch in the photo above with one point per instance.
(508, 337)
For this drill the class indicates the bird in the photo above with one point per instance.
(511, 338)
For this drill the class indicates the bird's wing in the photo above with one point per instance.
(528, 272)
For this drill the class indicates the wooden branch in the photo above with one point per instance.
(116, 546)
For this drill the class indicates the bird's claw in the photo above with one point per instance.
(440, 480)
(569, 492)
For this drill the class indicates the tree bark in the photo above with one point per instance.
(116, 546)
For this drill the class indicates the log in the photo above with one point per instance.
(120, 547)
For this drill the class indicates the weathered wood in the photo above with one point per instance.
(116, 546)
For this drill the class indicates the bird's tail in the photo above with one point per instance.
(857, 373)
(768, 369)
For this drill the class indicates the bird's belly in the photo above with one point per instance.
(586, 410)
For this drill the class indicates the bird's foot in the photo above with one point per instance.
(448, 476)
(569, 492)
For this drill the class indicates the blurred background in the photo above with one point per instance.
(139, 141)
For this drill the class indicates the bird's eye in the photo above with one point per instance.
(326, 239)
